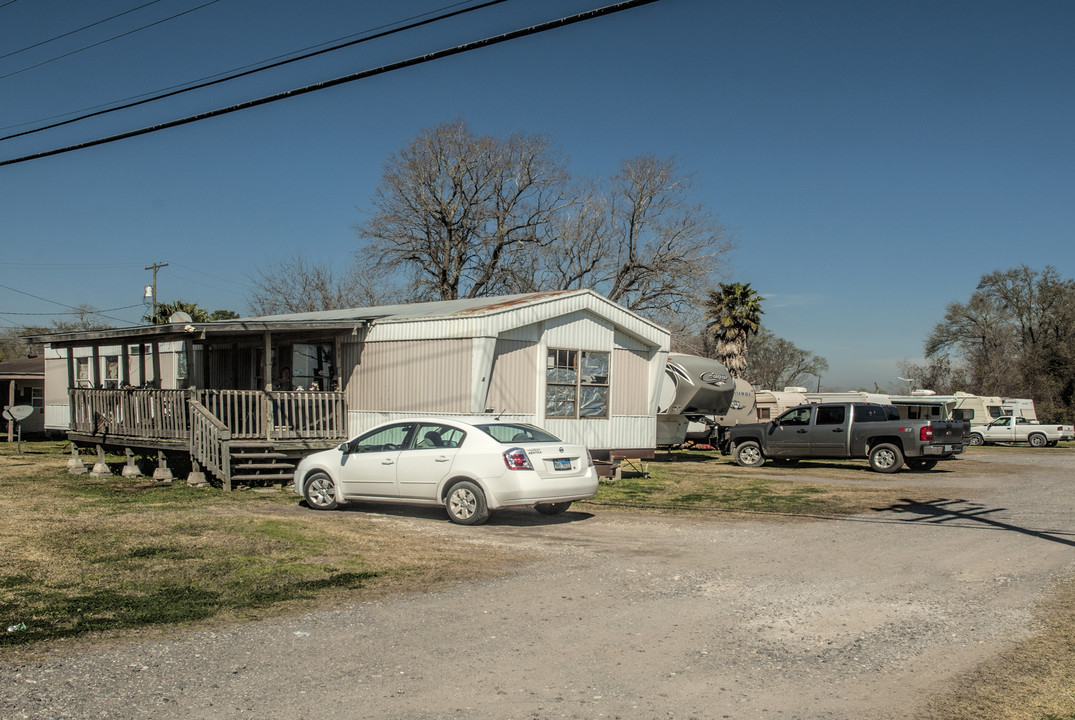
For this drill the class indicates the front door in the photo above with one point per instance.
(369, 466)
(789, 434)
(428, 460)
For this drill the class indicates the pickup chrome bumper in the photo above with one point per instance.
(942, 449)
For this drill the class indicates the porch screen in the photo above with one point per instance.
(576, 384)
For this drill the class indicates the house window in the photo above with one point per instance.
(82, 372)
(111, 371)
(37, 397)
(576, 384)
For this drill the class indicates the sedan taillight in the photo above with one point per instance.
(516, 459)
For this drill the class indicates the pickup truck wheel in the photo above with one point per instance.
(1038, 440)
(921, 465)
(748, 454)
(976, 439)
(886, 458)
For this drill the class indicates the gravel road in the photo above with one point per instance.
(631, 616)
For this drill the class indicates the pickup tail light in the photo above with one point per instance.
(516, 459)
(926, 433)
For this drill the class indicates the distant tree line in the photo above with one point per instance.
(1014, 337)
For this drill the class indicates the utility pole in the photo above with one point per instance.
(155, 267)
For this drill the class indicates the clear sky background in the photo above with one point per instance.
(872, 159)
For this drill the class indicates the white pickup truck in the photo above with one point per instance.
(1016, 429)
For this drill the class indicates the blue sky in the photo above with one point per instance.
(872, 159)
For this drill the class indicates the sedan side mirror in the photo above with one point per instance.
(345, 448)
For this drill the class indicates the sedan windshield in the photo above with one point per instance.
(516, 433)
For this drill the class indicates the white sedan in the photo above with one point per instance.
(469, 467)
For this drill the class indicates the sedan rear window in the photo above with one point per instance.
(516, 433)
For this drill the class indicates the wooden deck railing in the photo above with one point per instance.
(251, 414)
(246, 414)
(154, 414)
(299, 414)
(210, 442)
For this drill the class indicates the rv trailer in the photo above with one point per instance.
(693, 388)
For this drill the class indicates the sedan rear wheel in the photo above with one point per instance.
(320, 492)
(466, 505)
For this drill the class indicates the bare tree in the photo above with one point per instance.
(454, 210)
(294, 284)
(1015, 336)
(639, 240)
(775, 363)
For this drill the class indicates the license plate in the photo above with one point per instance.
(561, 464)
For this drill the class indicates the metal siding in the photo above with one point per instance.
(619, 432)
(579, 331)
(496, 321)
(629, 378)
(515, 371)
(413, 376)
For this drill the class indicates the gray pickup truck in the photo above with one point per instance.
(848, 430)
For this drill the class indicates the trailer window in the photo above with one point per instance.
(576, 383)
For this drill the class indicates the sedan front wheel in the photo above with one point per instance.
(320, 492)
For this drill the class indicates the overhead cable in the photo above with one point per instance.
(107, 40)
(235, 76)
(77, 30)
(448, 52)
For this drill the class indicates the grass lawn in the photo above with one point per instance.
(86, 555)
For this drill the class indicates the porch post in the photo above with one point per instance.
(96, 374)
(70, 390)
(188, 348)
(267, 375)
(124, 365)
(157, 365)
(141, 364)
(11, 401)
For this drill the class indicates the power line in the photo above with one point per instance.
(107, 40)
(77, 30)
(457, 50)
(219, 74)
(73, 312)
(201, 85)
(70, 307)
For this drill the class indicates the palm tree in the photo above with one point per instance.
(165, 310)
(732, 315)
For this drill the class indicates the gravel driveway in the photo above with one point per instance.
(632, 616)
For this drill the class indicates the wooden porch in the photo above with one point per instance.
(238, 436)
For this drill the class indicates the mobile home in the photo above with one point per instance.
(573, 362)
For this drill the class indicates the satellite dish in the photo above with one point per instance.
(180, 316)
(18, 413)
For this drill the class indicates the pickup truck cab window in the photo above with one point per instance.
(830, 415)
(872, 413)
(797, 416)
